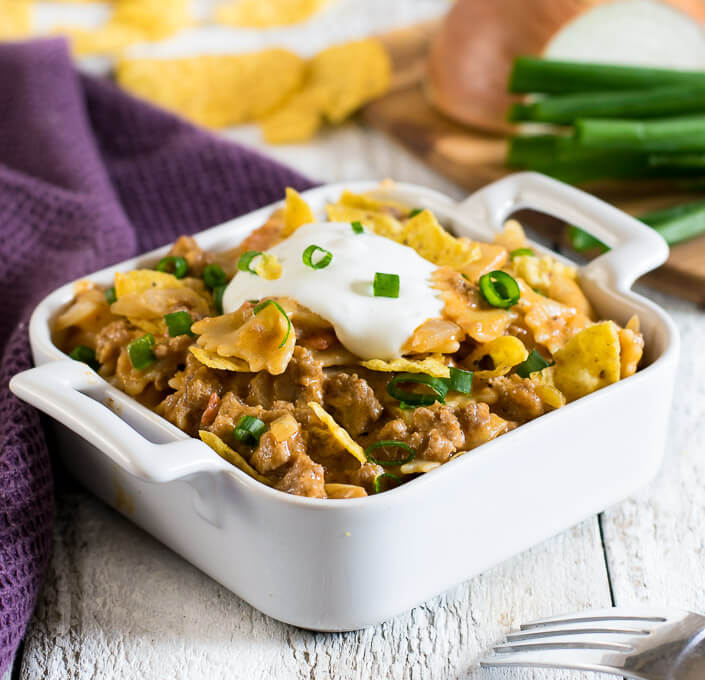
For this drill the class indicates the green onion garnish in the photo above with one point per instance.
(322, 263)
(178, 266)
(357, 227)
(415, 212)
(140, 352)
(521, 251)
(218, 298)
(534, 362)
(390, 463)
(386, 285)
(85, 355)
(439, 388)
(178, 323)
(266, 303)
(249, 430)
(111, 295)
(213, 275)
(379, 478)
(499, 289)
(460, 380)
(243, 264)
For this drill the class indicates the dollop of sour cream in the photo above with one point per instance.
(342, 293)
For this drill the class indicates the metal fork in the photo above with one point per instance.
(640, 643)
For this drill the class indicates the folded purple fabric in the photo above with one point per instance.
(88, 176)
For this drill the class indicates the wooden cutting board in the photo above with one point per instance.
(472, 158)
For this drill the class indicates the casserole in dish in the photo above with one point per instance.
(312, 562)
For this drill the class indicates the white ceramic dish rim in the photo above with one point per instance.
(636, 249)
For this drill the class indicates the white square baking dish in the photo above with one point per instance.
(325, 564)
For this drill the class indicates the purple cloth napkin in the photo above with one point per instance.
(89, 176)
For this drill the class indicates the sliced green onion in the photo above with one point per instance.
(390, 463)
(357, 227)
(178, 266)
(178, 323)
(415, 212)
(140, 352)
(213, 275)
(218, 298)
(386, 285)
(322, 263)
(499, 289)
(243, 264)
(439, 388)
(85, 355)
(519, 252)
(111, 295)
(460, 380)
(384, 475)
(266, 303)
(582, 242)
(249, 430)
(534, 362)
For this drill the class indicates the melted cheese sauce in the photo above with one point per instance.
(368, 326)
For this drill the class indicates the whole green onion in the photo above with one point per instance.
(140, 351)
(390, 443)
(499, 289)
(357, 227)
(176, 265)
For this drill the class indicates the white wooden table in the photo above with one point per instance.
(118, 605)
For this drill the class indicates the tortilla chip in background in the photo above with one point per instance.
(588, 361)
(215, 90)
(266, 13)
(296, 212)
(15, 19)
(297, 120)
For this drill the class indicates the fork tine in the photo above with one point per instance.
(566, 642)
(578, 659)
(631, 614)
(608, 628)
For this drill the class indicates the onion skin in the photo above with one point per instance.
(472, 54)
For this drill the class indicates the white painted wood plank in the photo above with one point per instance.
(656, 540)
(119, 605)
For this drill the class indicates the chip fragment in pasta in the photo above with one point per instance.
(512, 237)
(266, 13)
(588, 361)
(232, 456)
(215, 90)
(268, 267)
(430, 366)
(381, 224)
(140, 280)
(213, 360)
(344, 491)
(339, 433)
(429, 239)
(419, 466)
(296, 212)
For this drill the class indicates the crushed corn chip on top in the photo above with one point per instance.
(272, 383)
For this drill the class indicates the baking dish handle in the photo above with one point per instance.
(635, 248)
(61, 390)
